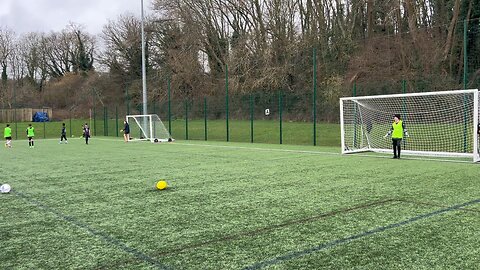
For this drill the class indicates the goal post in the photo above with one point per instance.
(441, 123)
(147, 127)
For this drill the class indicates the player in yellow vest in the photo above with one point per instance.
(397, 131)
(30, 135)
(7, 133)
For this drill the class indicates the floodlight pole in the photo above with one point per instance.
(144, 75)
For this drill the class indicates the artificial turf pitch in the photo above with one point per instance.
(233, 206)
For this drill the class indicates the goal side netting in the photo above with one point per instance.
(147, 127)
(439, 123)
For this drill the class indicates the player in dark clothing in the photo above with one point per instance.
(369, 125)
(86, 132)
(478, 132)
(64, 134)
(126, 131)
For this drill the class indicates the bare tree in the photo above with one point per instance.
(122, 54)
(81, 55)
(70, 50)
(6, 49)
(33, 48)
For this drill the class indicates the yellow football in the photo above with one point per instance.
(162, 184)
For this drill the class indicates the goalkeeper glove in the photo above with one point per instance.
(386, 135)
(406, 134)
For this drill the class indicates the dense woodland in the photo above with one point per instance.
(267, 45)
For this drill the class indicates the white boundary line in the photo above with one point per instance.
(318, 152)
(296, 151)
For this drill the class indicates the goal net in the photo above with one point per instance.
(439, 123)
(147, 127)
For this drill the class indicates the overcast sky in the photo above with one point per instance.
(23, 16)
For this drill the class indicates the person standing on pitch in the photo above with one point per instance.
(7, 133)
(30, 135)
(64, 134)
(478, 132)
(397, 131)
(126, 131)
(86, 132)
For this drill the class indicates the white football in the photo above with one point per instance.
(5, 188)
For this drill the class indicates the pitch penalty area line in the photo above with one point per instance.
(101, 235)
(415, 202)
(319, 152)
(279, 226)
(334, 243)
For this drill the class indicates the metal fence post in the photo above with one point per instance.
(226, 102)
(314, 96)
(205, 115)
(94, 122)
(186, 119)
(169, 108)
(116, 119)
(251, 117)
(280, 115)
(105, 126)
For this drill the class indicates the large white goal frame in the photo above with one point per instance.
(457, 111)
(148, 127)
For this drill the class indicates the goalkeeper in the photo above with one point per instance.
(397, 131)
(126, 131)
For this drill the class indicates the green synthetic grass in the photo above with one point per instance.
(232, 206)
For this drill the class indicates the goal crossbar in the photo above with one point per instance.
(437, 93)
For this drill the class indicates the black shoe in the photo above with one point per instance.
(394, 157)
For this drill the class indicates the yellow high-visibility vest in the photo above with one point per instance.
(397, 130)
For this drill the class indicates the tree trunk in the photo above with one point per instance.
(370, 18)
(451, 30)
(412, 19)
